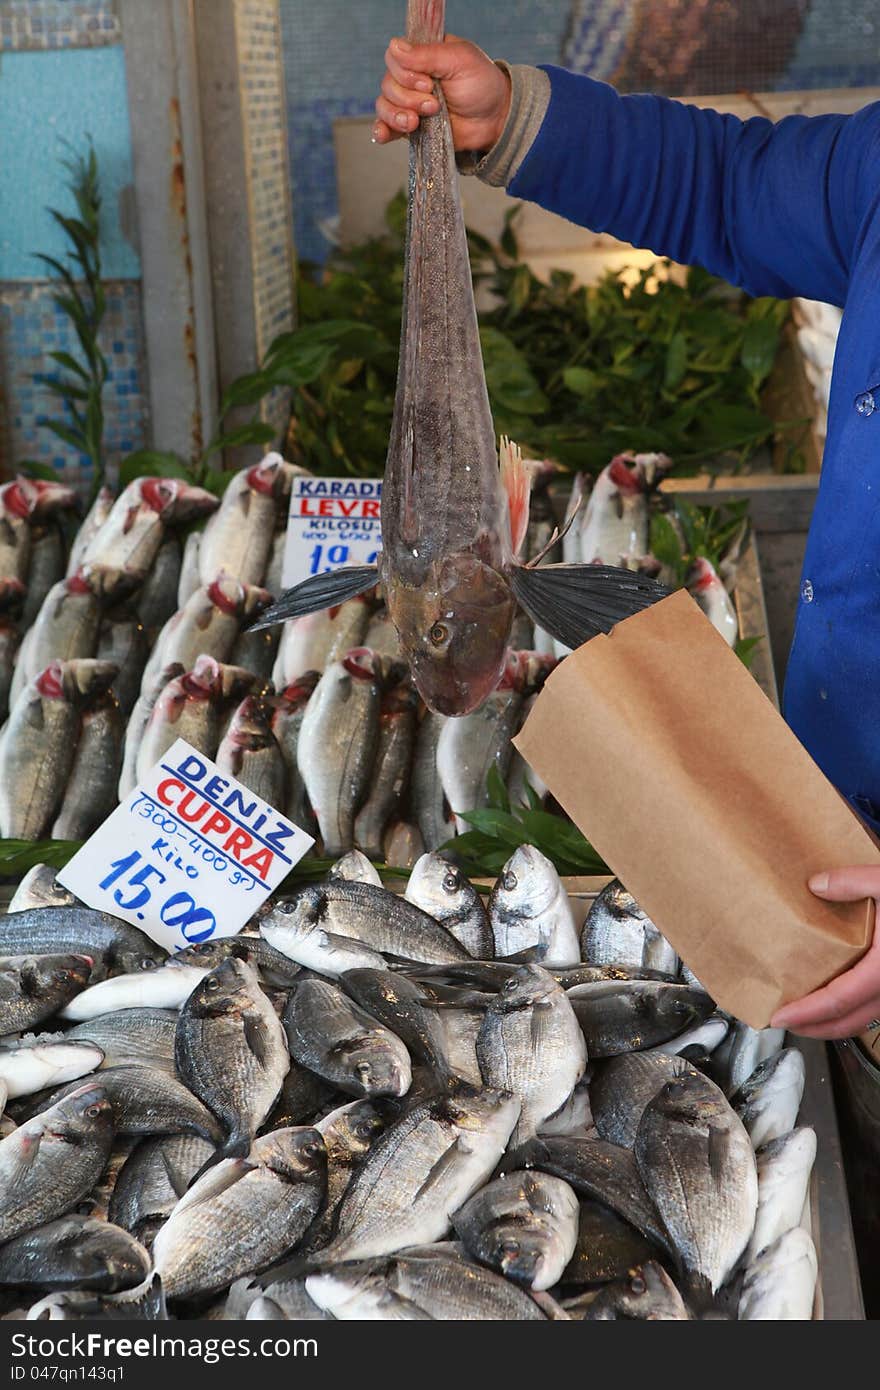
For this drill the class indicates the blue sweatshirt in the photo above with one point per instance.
(782, 209)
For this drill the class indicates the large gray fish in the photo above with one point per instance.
(403, 1007)
(74, 1252)
(452, 522)
(231, 1050)
(420, 1171)
(621, 1088)
(741, 1052)
(49, 1163)
(469, 748)
(645, 1293)
(618, 932)
(89, 527)
(137, 725)
(524, 1224)
(379, 920)
(337, 745)
(349, 1133)
(17, 502)
(32, 1064)
(39, 742)
(242, 1214)
(32, 988)
(696, 1160)
(156, 599)
(208, 624)
(144, 1101)
(165, 988)
(122, 639)
(188, 579)
(47, 567)
(529, 907)
(90, 794)
(607, 1247)
(112, 943)
(40, 888)
(238, 538)
(146, 1302)
(355, 867)
(331, 1036)
(289, 711)
(154, 1178)
(426, 791)
(780, 1283)
(390, 774)
(131, 1037)
(431, 1282)
(439, 888)
(784, 1169)
(65, 628)
(624, 1016)
(121, 554)
(530, 1043)
(769, 1100)
(250, 752)
(604, 1172)
(9, 641)
(188, 707)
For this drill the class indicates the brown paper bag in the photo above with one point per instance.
(667, 755)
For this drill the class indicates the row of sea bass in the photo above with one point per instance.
(371, 1106)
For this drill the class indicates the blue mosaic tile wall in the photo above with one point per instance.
(47, 94)
(30, 328)
(333, 60)
(58, 23)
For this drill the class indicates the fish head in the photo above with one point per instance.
(297, 1154)
(176, 501)
(355, 1127)
(438, 886)
(519, 1248)
(133, 960)
(234, 682)
(473, 1110)
(529, 987)
(648, 1293)
(52, 497)
(226, 991)
(87, 1111)
(376, 1066)
(297, 695)
(84, 678)
(269, 476)
(290, 919)
(19, 498)
(227, 594)
(527, 885)
(46, 975)
(453, 627)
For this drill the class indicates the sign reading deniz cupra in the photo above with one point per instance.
(331, 522)
(188, 856)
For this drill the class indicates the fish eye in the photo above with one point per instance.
(438, 634)
(211, 984)
(364, 1070)
(311, 1149)
(147, 963)
(638, 1285)
(450, 881)
(508, 880)
(286, 907)
(93, 1111)
(510, 1247)
(510, 985)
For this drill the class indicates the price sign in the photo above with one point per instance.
(188, 856)
(331, 522)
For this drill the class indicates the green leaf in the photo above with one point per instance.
(147, 463)
(676, 361)
(581, 381)
(32, 468)
(510, 381)
(64, 359)
(664, 542)
(759, 348)
(497, 791)
(745, 649)
(70, 436)
(17, 857)
(256, 432)
(509, 244)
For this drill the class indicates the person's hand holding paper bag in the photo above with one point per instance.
(667, 755)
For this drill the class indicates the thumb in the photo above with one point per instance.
(440, 60)
(846, 885)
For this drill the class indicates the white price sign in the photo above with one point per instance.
(188, 856)
(331, 522)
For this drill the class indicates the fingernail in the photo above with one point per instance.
(781, 1018)
(402, 46)
(427, 107)
(423, 85)
(819, 883)
(374, 135)
(401, 119)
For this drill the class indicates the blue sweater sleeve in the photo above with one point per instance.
(774, 207)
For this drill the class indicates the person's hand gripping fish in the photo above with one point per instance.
(452, 519)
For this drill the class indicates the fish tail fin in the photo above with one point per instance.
(516, 484)
(317, 592)
(425, 21)
(576, 602)
(148, 1298)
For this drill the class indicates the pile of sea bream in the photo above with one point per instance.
(134, 639)
(372, 1106)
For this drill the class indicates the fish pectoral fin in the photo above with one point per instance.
(576, 602)
(317, 592)
(437, 1172)
(256, 1035)
(224, 1173)
(515, 481)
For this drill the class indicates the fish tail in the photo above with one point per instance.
(425, 21)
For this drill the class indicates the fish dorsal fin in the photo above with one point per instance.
(515, 481)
